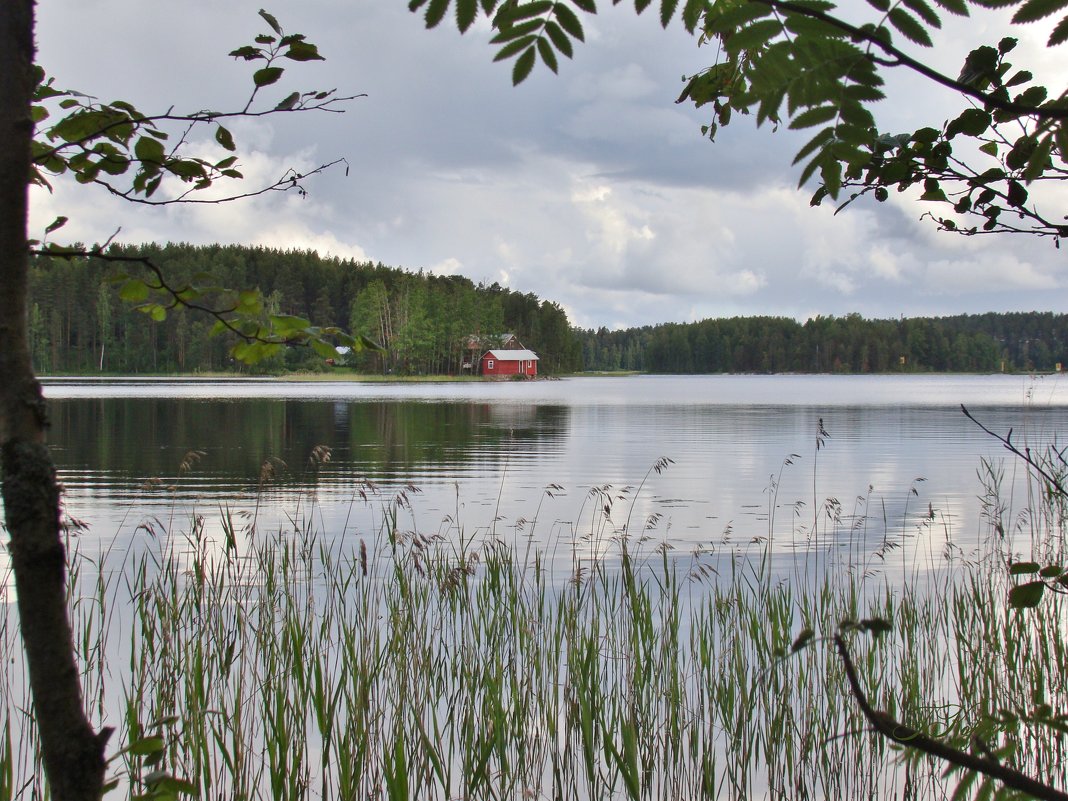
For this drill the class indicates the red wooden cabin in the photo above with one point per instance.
(509, 362)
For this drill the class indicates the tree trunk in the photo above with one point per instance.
(73, 752)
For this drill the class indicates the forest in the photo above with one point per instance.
(963, 343)
(425, 322)
(78, 324)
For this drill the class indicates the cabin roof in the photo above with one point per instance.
(511, 355)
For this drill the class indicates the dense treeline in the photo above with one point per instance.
(78, 323)
(851, 344)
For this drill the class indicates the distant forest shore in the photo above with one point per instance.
(79, 326)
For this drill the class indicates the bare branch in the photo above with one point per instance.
(900, 733)
(1053, 482)
(290, 180)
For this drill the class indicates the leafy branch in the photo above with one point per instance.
(99, 142)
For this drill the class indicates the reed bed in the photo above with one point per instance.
(400, 665)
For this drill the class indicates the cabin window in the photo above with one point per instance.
(489, 364)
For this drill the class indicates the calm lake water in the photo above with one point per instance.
(514, 459)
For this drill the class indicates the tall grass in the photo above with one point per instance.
(400, 665)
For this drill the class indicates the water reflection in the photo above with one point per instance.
(746, 467)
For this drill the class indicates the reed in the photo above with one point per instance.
(400, 665)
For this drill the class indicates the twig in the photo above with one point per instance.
(1025, 454)
(900, 733)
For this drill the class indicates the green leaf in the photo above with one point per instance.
(466, 13)
(1051, 571)
(980, 66)
(248, 53)
(56, 224)
(82, 125)
(910, 27)
(517, 46)
(925, 12)
(1034, 10)
(569, 21)
(149, 150)
(958, 7)
(814, 116)
(249, 302)
(324, 349)
(1023, 76)
(753, 36)
(1040, 159)
(528, 29)
(1059, 35)
(134, 291)
(270, 20)
(510, 14)
(523, 65)
(145, 746)
(225, 138)
(302, 51)
(285, 324)
(186, 169)
(972, 121)
(1021, 152)
(926, 135)
(559, 38)
(266, 76)
(289, 102)
(831, 173)
(545, 50)
(691, 14)
(155, 311)
(1026, 596)
(932, 191)
(667, 11)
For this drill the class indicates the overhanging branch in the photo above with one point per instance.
(903, 59)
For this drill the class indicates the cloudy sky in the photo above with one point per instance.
(591, 188)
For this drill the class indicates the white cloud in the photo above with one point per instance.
(449, 266)
(997, 272)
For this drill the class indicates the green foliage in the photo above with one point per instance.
(810, 64)
(101, 142)
(1028, 594)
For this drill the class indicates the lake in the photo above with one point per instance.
(515, 458)
(274, 667)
